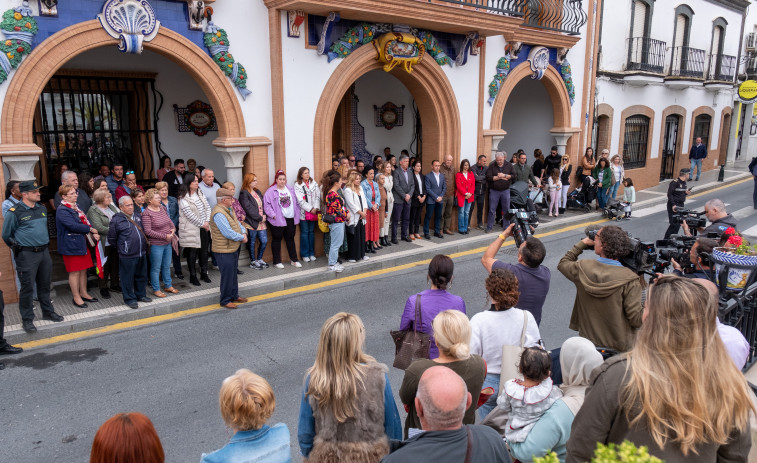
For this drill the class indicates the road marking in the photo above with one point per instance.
(752, 231)
(300, 289)
(744, 213)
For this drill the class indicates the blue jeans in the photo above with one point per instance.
(498, 197)
(463, 216)
(133, 272)
(260, 235)
(307, 238)
(614, 190)
(491, 380)
(436, 209)
(698, 164)
(160, 262)
(336, 234)
(602, 194)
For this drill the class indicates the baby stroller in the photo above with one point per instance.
(581, 197)
(520, 197)
(614, 210)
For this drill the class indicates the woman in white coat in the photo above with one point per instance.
(386, 169)
(357, 206)
(194, 227)
(309, 199)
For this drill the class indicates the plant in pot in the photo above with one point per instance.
(626, 452)
(735, 261)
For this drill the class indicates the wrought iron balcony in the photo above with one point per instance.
(504, 7)
(722, 67)
(687, 62)
(645, 54)
(566, 16)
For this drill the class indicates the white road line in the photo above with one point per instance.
(751, 231)
(744, 213)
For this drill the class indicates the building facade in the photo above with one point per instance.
(667, 74)
(262, 85)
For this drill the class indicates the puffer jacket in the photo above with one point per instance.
(128, 239)
(607, 310)
(189, 224)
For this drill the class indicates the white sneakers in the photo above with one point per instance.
(296, 264)
(279, 265)
(365, 257)
(306, 259)
(336, 268)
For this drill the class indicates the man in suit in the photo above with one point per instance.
(175, 177)
(696, 154)
(436, 187)
(402, 191)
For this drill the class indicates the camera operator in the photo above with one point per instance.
(533, 278)
(715, 212)
(607, 309)
(699, 255)
(677, 192)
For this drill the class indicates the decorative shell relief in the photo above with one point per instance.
(19, 29)
(129, 21)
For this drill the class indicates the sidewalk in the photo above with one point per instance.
(258, 282)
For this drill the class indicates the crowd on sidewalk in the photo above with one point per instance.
(650, 365)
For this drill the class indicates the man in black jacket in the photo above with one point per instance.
(479, 172)
(175, 178)
(551, 162)
(127, 235)
(677, 192)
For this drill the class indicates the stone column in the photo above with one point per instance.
(562, 135)
(21, 167)
(494, 137)
(233, 160)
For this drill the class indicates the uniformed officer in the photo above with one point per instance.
(25, 232)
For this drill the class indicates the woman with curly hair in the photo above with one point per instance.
(347, 412)
(676, 391)
(499, 326)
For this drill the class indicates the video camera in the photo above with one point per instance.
(641, 259)
(693, 219)
(677, 247)
(524, 223)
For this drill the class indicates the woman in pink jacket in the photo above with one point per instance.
(283, 213)
(465, 185)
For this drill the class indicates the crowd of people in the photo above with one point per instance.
(672, 381)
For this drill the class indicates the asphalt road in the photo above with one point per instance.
(53, 399)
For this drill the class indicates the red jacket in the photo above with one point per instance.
(464, 185)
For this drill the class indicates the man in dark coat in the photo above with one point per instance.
(696, 154)
(175, 178)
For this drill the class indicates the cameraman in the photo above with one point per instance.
(533, 278)
(715, 212)
(677, 192)
(699, 255)
(607, 310)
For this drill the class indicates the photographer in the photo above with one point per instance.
(607, 309)
(677, 192)
(699, 255)
(715, 212)
(533, 278)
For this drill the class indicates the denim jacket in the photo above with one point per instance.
(269, 444)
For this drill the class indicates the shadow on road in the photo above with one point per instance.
(42, 361)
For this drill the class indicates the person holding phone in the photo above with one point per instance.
(677, 192)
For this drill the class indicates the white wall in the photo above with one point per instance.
(176, 86)
(376, 88)
(527, 119)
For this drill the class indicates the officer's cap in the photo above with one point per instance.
(28, 185)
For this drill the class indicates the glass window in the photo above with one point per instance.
(635, 140)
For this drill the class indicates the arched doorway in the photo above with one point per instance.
(429, 87)
(527, 119)
(558, 97)
(725, 132)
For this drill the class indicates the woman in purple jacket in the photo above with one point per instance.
(433, 301)
(283, 213)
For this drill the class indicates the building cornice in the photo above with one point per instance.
(735, 5)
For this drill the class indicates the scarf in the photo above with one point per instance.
(578, 359)
(81, 214)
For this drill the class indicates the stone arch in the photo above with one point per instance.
(680, 158)
(724, 133)
(604, 115)
(49, 56)
(427, 83)
(554, 84)
(698, 112)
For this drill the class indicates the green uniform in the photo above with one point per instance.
(25, 230)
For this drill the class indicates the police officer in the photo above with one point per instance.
(677, 192)
(25, 232)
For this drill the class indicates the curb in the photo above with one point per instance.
(311, 276)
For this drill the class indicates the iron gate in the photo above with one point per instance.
(670, 147)
(85, 121)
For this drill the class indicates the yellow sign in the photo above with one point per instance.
(748, 90)
(394, 48)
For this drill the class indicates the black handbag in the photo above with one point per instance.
(328, 218)
(411, 345)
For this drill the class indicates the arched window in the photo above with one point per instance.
(644, 53)
(685, 61)
(635, 140)
(702, 125)
(721, 67)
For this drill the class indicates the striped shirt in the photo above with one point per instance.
(156, 226)
(202, 206)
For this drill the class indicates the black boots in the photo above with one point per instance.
(204, 276)
(385, 241)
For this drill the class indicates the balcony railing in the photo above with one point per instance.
(722, 67)
(687, 62)
(505, 7)
(566, 16)
(645, 54)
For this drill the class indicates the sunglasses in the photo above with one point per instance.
(128, 173)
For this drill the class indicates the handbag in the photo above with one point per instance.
(322, 225)
(511, 358)
(309, 215)
(410, 345)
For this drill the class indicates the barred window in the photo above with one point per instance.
(635, 141)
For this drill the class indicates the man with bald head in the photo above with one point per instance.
(441, 402)
(449, 172)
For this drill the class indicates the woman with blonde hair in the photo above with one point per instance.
(387, 169)
(357, 205)
(347, 411)
(676, 392)
(452, 332)
(247, 402)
